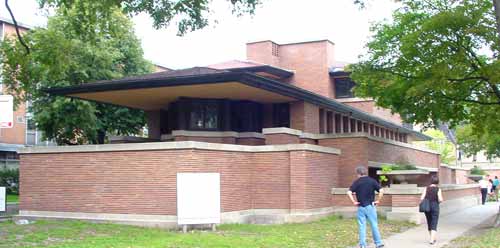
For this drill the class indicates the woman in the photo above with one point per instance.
(483, 185)
(435, 196)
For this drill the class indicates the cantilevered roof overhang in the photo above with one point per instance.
(154, 91)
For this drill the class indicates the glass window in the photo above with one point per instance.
(343, 88)
(204, 115)
(281, 115)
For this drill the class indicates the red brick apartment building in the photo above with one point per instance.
(23, 133)
(283, 129)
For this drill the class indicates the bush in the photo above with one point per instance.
(477, 171)
(10, 179)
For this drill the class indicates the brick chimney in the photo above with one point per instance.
(310, 62)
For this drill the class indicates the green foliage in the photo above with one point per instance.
(385, 169)
(477, 171)
(436, 62)
(69, 53)
(472, 142)
(190, 15)
(440, 144)
(9, 178)
(403, 167)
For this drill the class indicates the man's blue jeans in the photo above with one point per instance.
(369, 212)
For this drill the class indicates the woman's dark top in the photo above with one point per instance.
(432, 194)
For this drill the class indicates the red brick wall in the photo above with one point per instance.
(221, 140)
(304, 116)
(389, 153)
(454, 194)
(144, 182)
(310, 62)
(353, 154)
(250, 141)
(358, 151)
(281, 138)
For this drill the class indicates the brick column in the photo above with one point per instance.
(304, 116)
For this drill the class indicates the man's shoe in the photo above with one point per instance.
(380, 246)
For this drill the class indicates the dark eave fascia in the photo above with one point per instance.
(264, 68)
(247, 78)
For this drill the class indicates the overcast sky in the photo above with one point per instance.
(282, 21)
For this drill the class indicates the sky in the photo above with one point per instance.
(283, 21)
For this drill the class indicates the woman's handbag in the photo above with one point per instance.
(425, 206)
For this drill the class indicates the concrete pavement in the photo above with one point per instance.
(450, 227)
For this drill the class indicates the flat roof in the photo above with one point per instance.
(201, 75)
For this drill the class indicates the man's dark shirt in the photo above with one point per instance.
(365, 188)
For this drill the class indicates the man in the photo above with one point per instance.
(496, 186)
(483, 185)
(365, 188)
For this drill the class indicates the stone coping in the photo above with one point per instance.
(284, 130)
(130, 139)
(217, 134)
(379, 165)
(387, 191)
(179, 145)
(468, 168)
(370, 137)
(403, 172)
(410, 190)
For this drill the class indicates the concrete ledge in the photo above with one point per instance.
(387, 191)
(216, 134)
(447, 187)
(180, 145)
(130, 139)
(282, 130)
(380, 164)
(165, 221)
(252, 216)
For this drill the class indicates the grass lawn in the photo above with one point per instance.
(488, 239)
(328, 232)
(12, 198)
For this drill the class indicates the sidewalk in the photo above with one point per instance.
(450, 227)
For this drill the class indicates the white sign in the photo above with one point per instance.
(6, 111)
(198, 198)
(3, 199)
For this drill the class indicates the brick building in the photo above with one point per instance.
(282, 128)
(24, 132)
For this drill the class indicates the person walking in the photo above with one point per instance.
(365, 188)
(483, 185)
(435, 196)
(496, 185)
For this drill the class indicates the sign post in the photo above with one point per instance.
(6, 111)
(3, 199)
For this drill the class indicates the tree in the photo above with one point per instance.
(471, 142)
(65, 54)
(436, 62)
(440, 144)
(191, 14)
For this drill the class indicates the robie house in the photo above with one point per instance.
(283, 130)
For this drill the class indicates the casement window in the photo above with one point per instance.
(281, 115)
(343, 88)
(204, 115)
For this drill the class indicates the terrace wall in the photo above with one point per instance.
(134, 179)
